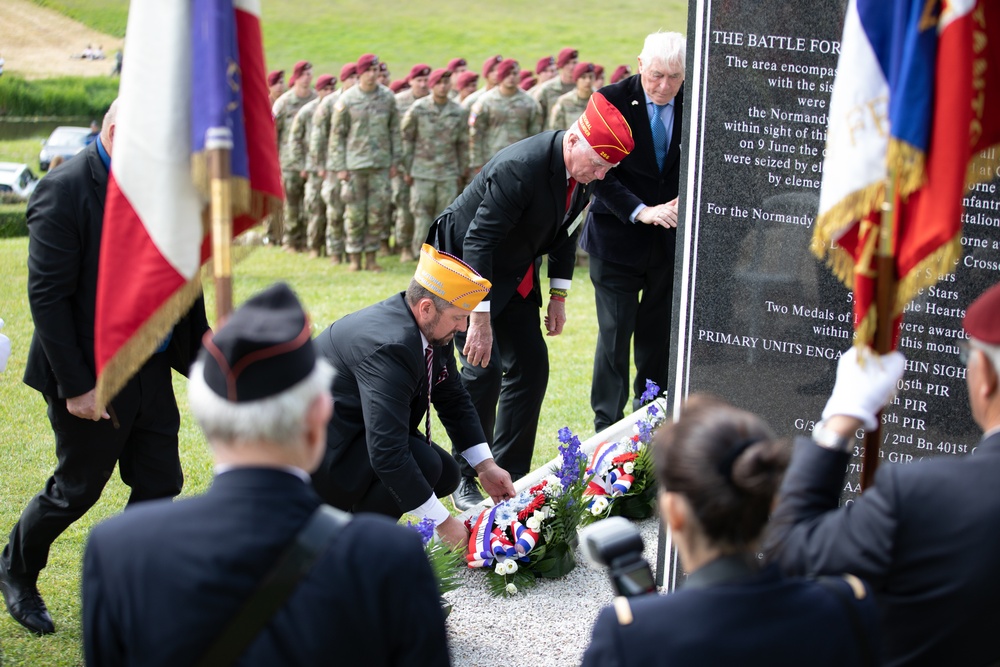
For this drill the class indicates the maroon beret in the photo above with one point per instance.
(490, 64)
(420, 69)
(565, 56)
(299, 69)
(982, 318)
(505, 68)
(437, 75)
(528, 82)
(525, 74)
(275, 76)
(325, 80)
(399, 85)
(598, 71)
(348, 70)
(365, 62)
(620, 73)
(455, 63)
(581, 69)
(544, 64)
(466, 78)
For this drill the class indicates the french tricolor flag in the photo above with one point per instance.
(916, 101)
(189, 66)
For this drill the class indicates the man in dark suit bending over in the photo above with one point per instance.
(630, 232)
(393, 361)
(925, 534)
(522, 206)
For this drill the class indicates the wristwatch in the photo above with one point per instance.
(826, 437)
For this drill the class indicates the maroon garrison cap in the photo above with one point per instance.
(365, 62)
(490, 64)
(565, 56)
(263, 349)
(420, 69)
(982, 318)
(348, 70)
(437, 75)
(455, 63)
(544, 64)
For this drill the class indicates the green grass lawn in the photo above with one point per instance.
(328, 293)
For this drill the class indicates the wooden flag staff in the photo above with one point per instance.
(219, 146)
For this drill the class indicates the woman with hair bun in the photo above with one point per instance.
(719, 469)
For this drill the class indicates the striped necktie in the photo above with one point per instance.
(429, 361)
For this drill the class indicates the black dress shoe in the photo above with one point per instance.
(24, 602)
(467, 495)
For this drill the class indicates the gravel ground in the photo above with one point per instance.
(484, 630)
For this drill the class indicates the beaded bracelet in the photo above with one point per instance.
(555, 291)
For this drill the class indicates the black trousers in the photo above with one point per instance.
(144, 447)
(508, 393)
(630, 301)
(438, 468)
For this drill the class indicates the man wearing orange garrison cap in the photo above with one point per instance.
(392, 360)
(520, 207)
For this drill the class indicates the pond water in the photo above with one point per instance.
(38, 128)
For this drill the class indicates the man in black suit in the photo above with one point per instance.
(162, 581)
(520, 207)
(138, 431)
(630, 232)
(392, 360)
(925, 534)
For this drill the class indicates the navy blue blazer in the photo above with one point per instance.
(926, 536)
(162, 579)
(512, 214)
(608, 234)
(763, 619)
(380, 400)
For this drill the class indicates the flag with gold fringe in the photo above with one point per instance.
(915, 101)
(188, 66)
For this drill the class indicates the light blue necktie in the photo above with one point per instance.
(659, 134)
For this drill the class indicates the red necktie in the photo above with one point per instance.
(429, 360)
(569, 192)
(524, 288)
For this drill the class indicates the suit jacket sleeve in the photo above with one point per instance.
(101, 644)
(507, 188)
(187, 337)
(387, 380)
(810, 535)
(616, 197)
(605, 648)
(55, 251)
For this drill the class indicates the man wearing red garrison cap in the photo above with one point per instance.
(522, 206)
(925, 534)
(502, 116)
(547, 93)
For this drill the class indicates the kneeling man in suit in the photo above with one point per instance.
(392, 361)
(162, 581)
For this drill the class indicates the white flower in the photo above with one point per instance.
(599, 505)
(533, 522)
(511, 589)
(509, 566)
(629, 468)
(500, 569)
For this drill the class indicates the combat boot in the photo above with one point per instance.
(384, 250)
(336, 258)
(355, 260)
(371, 264)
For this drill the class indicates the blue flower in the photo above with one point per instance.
(425, 528)
(645, 430)
(573, 458)
(652, 410)
(652, 391)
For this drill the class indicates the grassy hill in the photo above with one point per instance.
(331, 33)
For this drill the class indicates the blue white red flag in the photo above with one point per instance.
(188, 66)
(915, 99)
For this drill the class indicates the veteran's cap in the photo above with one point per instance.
(982, 318)
(263, 349)
(450, 278)
(606, 130)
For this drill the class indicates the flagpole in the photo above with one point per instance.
(219, 146)
(885, 297)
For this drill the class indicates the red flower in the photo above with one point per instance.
(625, 458)
(535, 504)
(538, 487)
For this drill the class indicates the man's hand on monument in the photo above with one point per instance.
(495, 480)
(555, 317)
(479, 340)
(670, 213)
(865, 383)
(656, 215)
(85, 407)
(453, 532)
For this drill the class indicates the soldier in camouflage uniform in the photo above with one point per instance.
(319, 139)
(547, 93)
(570, 106)
(435, 154)
(546, 69)
(456, 66)
(365, 152)
(490, 79)
(501, 117)
(284, 111)
(301, 129)
(419, 88)
(273, 221)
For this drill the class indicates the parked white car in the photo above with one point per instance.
(17, 179)
(66, 141)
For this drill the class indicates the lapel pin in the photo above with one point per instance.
(635, 103)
